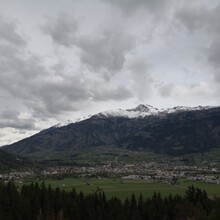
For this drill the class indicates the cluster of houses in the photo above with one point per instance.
(18, 176)
(166, 172)
(206, 179)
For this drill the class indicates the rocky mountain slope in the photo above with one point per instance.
(175, 131)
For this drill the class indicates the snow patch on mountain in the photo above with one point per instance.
(184, 108)
(71, 121)
(140, 111)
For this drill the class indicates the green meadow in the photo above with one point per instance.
(125, 188)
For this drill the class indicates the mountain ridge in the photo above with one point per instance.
(176, 131)
(142, 110)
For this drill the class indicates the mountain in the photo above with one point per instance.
(105, 128)
(9, 161)
(175, 131)
(179, 133)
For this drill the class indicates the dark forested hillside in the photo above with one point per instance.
(10, 161)
(36, 201)
(180, 133)
(177, 133)
(96, 131)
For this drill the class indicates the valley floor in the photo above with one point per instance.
(123, 188)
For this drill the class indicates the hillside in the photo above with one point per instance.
(10, 161)
(179, 133)
(175, 131)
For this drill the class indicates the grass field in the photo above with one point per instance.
(95, 155)
(102, 154)
(125, 188)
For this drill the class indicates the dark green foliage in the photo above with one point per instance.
(9, 161)
(36, 201)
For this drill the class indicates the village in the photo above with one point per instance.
(166, 172)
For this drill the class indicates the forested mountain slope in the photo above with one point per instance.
(175, 131)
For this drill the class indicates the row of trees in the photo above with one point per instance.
(36, 201)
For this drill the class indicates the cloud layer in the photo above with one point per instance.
(67, 60)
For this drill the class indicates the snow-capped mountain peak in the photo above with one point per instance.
(143, 108)
(140, 111)
(137, 112)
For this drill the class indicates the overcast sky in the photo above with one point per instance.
(62, 60)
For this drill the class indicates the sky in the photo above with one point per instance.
(62, 60)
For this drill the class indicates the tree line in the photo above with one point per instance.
(38, 201)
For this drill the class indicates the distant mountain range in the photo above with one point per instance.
(173, 131)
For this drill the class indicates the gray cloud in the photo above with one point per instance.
(205, 20)
(49, 91)
(62, 30)
(129, 7)
(166, 90)
(199, 17)
(214, 53)
(142, 79)
(106, 52)
(99, 53)
(9, 34)
(202, 91)
(192, 18)
(117, 94)
(45, 92)
(41, 90)
(60, 95)
(10, 118)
